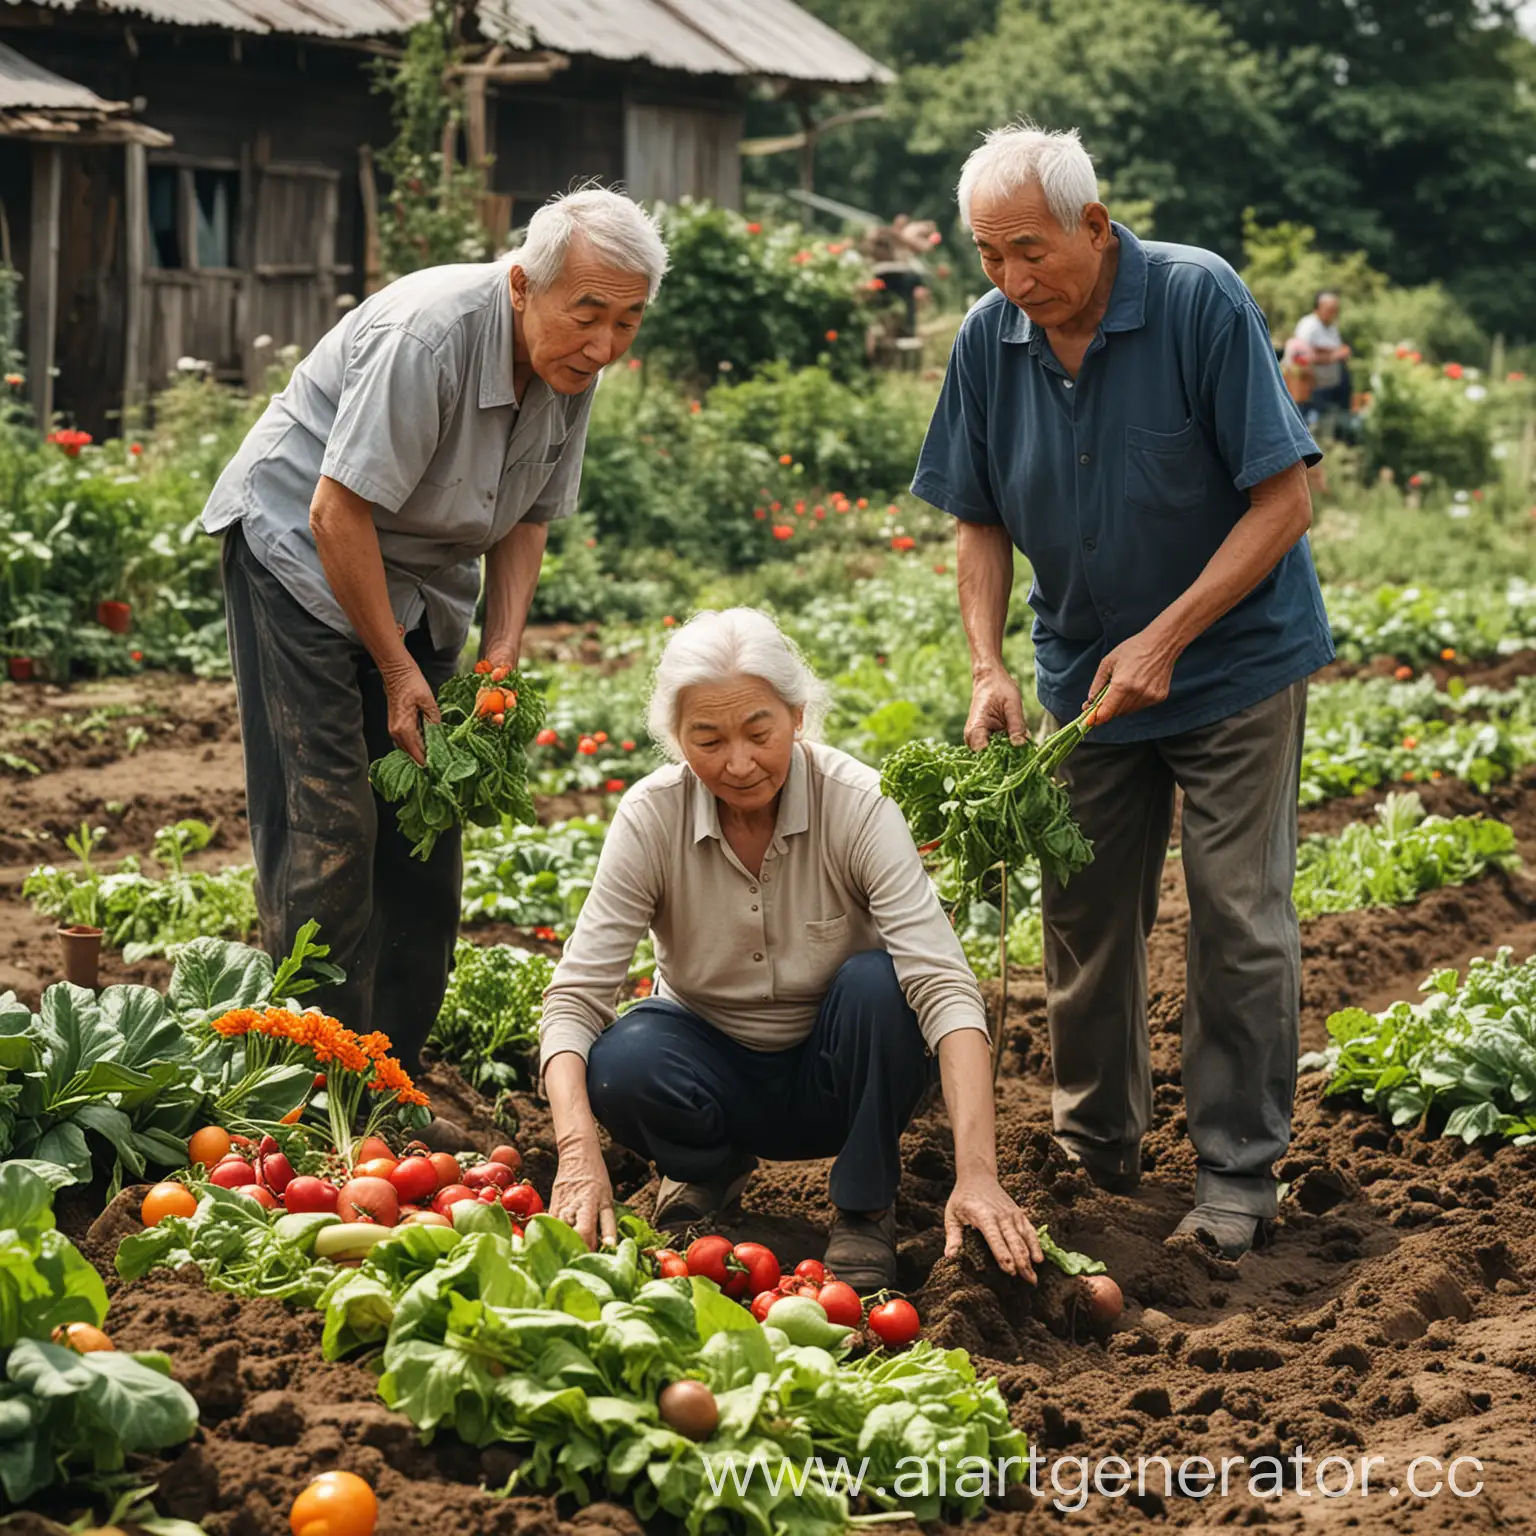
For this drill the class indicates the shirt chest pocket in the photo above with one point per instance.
(1166, 472)
(823, 949)
(523, 480)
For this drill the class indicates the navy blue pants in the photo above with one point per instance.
(675, 1090)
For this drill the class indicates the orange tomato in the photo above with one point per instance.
(371, 1147)
(447, 1168)
(375, 1168)
(490, 701)
(335, 1504)
(208, 1145)
(82, 1338)
(167, 1200)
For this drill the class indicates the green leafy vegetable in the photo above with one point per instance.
(1064, 1259)
(489, 1022)
(997, 805)
(476, 770)
(1467, 1051)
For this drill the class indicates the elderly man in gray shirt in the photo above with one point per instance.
(442, 420)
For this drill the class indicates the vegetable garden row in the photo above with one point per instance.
(282, 1300)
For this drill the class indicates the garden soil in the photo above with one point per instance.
(1390, 1315)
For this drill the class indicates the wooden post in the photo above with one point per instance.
(368, 187)
(808, 150)
(1002, 974)
(135, 234)
(43, 277)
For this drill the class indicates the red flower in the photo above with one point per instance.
(760, 513)
(1514, 377)
(587, 747)
(643, 986)
(627, 745)
(775, 506)
(781, 532)
(831, 335)
(1453, 370)
(135, 655)
(820, 514)
(600, 737)
(786, 458)
(695, 407)
(546, 738)
(71, 440)
(862, 502)
(667, 623)
(547, 934)
(135, 449)
(940, 570)
(634, 364)
(614, 786)
(1415, 479)
(876, 284)
(754, 229)
(903, 542)
(799, 508)
(890, 511)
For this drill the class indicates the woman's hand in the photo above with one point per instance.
(583, 1195)
(981, 1202)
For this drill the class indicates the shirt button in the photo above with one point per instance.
(757, 957)
(754, 906)
(753, 889)
(765, 879)
(1090, 545)
(1066, 383)
(1082, 458)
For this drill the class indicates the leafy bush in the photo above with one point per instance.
(489, 1022)
(1426, 427)
(740, 295)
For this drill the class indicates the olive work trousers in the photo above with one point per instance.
(313, 715)
(1240, 777)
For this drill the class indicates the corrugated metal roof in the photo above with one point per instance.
(25, 84)
(701, 37)
(315, 18)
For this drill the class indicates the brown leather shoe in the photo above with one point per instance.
(679, 1206)
(862, 1250)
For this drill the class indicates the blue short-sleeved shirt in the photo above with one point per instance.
(1120, 485)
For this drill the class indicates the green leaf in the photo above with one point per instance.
(212, 976)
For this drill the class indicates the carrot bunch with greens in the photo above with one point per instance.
(1000, 805)
(477, 764)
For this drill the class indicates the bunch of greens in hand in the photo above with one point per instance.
(1000, 805)
(477, 765)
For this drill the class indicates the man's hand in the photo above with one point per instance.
(503, 653)
(583, 1194)
(409, 698)
(983, 1203)
(1139, 673)
(996, 705)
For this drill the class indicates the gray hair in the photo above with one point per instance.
(1012, 158)
(731, 642)
(622, 233)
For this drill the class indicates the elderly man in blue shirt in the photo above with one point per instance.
(1114, 410)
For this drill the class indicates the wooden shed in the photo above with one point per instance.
(181, 178)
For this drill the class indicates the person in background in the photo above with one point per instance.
(1327, 363)
(1114, 410)
(442, 421)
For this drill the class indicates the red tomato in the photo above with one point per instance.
(487, 1194)
(761, 1266)
(497, 1174)
(232, 1172)
(447, 1167)
(371, 1147)
(841, 1304)
(446, 1198)
(375, 1168)
(508, 1155)
(307, 1193)
(811, 1269)
(414, 1179)
(263, 1197)
(522, 1200)
(761, 1303)
(670, 1265)
(368, 1199)
(894, 1322)
(711, 1257)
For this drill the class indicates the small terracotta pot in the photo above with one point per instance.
(82, 954)
(118, 617)
(20, 668)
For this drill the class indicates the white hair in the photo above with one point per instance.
(1012, 158)
(731, 642)
(617, 228)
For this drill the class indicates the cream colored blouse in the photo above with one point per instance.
(754, 954)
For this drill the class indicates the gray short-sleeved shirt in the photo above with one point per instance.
(409, 402)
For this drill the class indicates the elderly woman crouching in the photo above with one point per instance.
(806, 974)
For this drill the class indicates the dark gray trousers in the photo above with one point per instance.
(1240, 778)
(312, 716)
